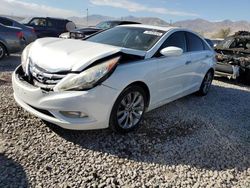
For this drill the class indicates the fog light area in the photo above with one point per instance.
(73, 114)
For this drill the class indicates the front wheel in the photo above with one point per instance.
(206, 83)
(128, 110)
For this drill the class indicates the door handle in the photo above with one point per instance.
(188, 62)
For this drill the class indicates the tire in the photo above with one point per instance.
(128, 110)
(2, 51)
(206, 83)
(25, 42)
(247, 76)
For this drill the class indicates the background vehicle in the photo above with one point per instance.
(216, 41)
(233, 56)
(49, 27)
(84, 32)
(112, 78)
(210, 42)
(11, 40)
(29, 34)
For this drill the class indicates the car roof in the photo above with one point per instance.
(163, 28)
(63, 19)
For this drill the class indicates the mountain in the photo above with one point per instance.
(95, 19)
(205, 27)
(209, 28)
(147, 20)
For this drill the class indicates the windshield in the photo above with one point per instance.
(128, 37)
(106, 25)
(225, 43)
(25, 20)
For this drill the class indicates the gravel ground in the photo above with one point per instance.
(192, 142)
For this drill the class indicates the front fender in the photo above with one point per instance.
(144, 71)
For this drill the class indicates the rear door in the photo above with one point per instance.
(200, 54)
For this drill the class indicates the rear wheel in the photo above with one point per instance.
(128, 110)
(206, 83)
(2, 51)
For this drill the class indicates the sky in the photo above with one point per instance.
(174, 10)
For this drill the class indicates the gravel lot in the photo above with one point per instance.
(192, 142)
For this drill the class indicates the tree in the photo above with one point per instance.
(223, 33)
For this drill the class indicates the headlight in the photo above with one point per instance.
(88, 78)
(24, 58)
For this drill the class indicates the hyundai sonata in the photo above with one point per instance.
(112, 78)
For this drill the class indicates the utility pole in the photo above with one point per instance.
(87, 17)
(171, 22)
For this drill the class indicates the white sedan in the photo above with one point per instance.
(112, 78)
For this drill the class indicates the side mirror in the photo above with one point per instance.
(171, 51)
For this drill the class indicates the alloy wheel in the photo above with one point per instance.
(130, 110)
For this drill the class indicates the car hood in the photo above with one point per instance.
(57, 55)
(87, 29)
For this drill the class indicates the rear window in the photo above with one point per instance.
(194, 43)
(61, 24)
(106, 25)
(6, 22)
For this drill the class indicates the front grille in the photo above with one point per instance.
(46, 112)
(43, 79)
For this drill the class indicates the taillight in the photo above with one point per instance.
(20, 34)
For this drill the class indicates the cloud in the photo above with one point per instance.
(20, 8)
(136, 7)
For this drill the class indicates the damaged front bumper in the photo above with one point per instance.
(95, 105)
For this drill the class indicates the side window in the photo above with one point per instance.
(50, 23)
(226, 43)
(6, 22)
(194, 42)
(62, 24)
(206, 47)
(176, 39)
(38, 22)
(58, 24)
